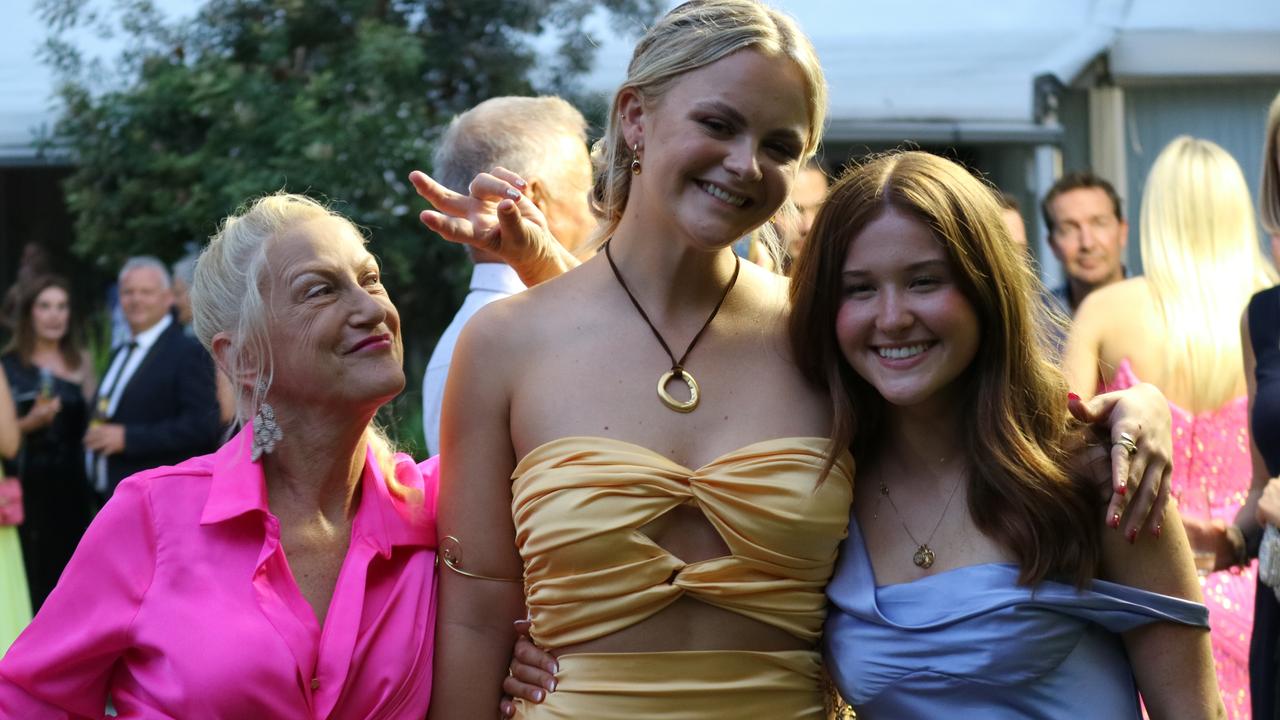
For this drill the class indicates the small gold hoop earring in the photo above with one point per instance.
(635, 159)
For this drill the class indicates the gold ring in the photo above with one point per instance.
(681, 374)
(1126, 441)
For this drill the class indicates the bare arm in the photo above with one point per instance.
(9, 434)
(1083, 352)
(1172, 663)
(474, 632)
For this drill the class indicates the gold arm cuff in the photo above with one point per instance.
(451, 553)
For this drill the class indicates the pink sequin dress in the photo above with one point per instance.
(1211, 475)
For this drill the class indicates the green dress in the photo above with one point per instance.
(15, 602)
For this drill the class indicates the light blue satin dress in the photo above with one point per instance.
(972, 643)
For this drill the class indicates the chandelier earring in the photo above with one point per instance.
(635, 159)
(266, 431)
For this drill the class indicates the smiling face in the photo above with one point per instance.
(50, 314)
(335, 335)
(903, 324)
(720, 148)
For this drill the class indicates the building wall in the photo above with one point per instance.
(1232, 114)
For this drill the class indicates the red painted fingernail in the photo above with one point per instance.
(1157, 531)
(1122, 490)
(1114, 522)
(1072, 396)
(1132, 535)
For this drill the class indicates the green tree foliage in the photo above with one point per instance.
(339, 99)
(335, 98)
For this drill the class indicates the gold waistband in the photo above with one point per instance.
(686, 685)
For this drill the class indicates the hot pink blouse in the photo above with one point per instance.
(179, 603)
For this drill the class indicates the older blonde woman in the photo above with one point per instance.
(1176, 327)
(289, 574)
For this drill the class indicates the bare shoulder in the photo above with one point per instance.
(525, 321)
(1105, 300)
(1118, 306)
(765, 291)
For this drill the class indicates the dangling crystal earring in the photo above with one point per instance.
(635, 159)
(266, 431)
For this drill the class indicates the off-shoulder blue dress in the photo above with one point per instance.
(972, 643)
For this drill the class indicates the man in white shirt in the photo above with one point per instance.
(544, 141)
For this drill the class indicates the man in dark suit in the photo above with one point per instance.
(156, 404)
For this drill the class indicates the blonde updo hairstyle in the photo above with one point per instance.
(692, 36)
(227, 295)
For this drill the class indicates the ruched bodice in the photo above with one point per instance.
(579, 504)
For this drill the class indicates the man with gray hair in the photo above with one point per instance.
(543, 140)
(156, 403)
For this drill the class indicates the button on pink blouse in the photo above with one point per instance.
(179, 603)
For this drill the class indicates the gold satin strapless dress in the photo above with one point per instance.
(579, 504)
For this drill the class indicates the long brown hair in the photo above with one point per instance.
(23, 341)
(1019, 492)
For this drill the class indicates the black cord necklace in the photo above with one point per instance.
(677, 370)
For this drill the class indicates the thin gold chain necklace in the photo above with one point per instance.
(677, 371)
(924, 555)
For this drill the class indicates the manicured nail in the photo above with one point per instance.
(555, 666)
(513, 194)
(552, 685)
(1072, 396)
(519, 182)
(1114, 522)
(1132, 535)
(1122, 490)
(1157, 530)
(538, 695)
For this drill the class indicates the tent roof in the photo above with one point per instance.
(944, 70)
(950, 70)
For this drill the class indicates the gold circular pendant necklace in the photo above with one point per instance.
(677, 371)
(924, 555)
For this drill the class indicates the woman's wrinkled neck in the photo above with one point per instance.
(316, 466)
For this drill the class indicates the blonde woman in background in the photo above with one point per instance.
(1176, 327)
(15, 604)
